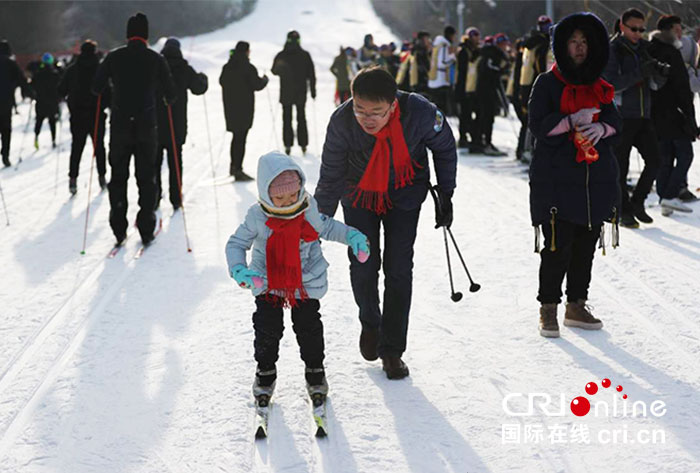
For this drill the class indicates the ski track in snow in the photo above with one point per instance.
(146, 365)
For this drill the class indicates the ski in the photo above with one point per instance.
(142, 248)
(318, 404)
(262, 414)
(115, 249)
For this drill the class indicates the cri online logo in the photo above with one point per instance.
(580, 406)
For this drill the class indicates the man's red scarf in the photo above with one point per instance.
(577, 97)
(373, 190)
(138, 38)
(283, 258)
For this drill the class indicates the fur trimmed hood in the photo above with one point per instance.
(598, 48)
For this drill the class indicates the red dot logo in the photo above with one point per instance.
(619, 389)
(606, 383)
(624, 396)
(591, 388)
(580, 406)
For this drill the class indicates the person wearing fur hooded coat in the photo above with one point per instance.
(574, 173)
(287, 267)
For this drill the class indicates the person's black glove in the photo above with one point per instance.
(313, 94)
(443, 208)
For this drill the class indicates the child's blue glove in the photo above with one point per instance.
(359, 244)
(246, 278)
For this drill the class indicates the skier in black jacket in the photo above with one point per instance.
(76, 85)
(11, 77)
(136, 72)
(239, 80)
(185, 78)
(492, 67)
(296, 69)
(45, 85)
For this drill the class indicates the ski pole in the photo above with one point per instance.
(474, 286)
(92, 166)
(455, 296)
(58, 148)
(211, 153)
(313, 111)
(179, 179)
(272, 114)
(4, 206)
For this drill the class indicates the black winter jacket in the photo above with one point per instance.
(347, 151)
(624, 72)
(296, 69)
(672, 107)
(136, 72)
(185, 78)
(579, 193)
(11, 77)
(76, 85)
(45, 85)
(239, 80)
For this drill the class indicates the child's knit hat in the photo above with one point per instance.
(286, 182)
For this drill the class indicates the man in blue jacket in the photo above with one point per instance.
(631, 70)
(375, 162)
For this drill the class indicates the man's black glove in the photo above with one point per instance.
(648, 68)
(443, 207)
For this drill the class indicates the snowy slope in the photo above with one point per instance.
(146, 365)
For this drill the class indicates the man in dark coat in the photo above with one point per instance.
(466, 63)
(136, 73)
(631, 70)
(45, 85)
(493, 65)
(185, 78)
(571, 192)
(11, 77)
(375, 163)
(76, 85)
(296, 70)
(239, 80)
(673, 114)
(341, 70)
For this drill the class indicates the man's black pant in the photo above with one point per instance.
(238, 150)
(441, 98)
(467, 123)
(173, 174)
(268, 322)
(52, 124)
(5, 134)
(144, 152)
(640, 133)
(288, 132)
(676, 156)
(83, 131)
(400, 227)
(573, 257)
(487, 114)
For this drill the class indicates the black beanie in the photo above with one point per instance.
(5, 49)
(242, 47)
(89, 47)
(137, 26)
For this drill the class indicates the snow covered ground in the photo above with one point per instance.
(146, 365)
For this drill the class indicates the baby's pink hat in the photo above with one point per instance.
(286, 182)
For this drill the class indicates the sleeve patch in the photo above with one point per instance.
(439, 121)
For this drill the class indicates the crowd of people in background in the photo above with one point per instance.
(475, 78)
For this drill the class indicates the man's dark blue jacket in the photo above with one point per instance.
(348, 148)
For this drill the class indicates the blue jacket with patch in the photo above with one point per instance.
(347, 151)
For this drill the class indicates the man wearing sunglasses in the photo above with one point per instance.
(375, 163)
(630, 70)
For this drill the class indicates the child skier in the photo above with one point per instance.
(287, 269)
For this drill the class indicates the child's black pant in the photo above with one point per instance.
(269, 324)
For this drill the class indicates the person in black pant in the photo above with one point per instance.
(76, 86)
(45, 85)
(135, 72)
(631, 70)
(185, 78)
(673, 114)
(239, 80)
(466, 66)
(296, 69)
(492, 67)
(11, 77)
(574, 173)
(367, 166)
